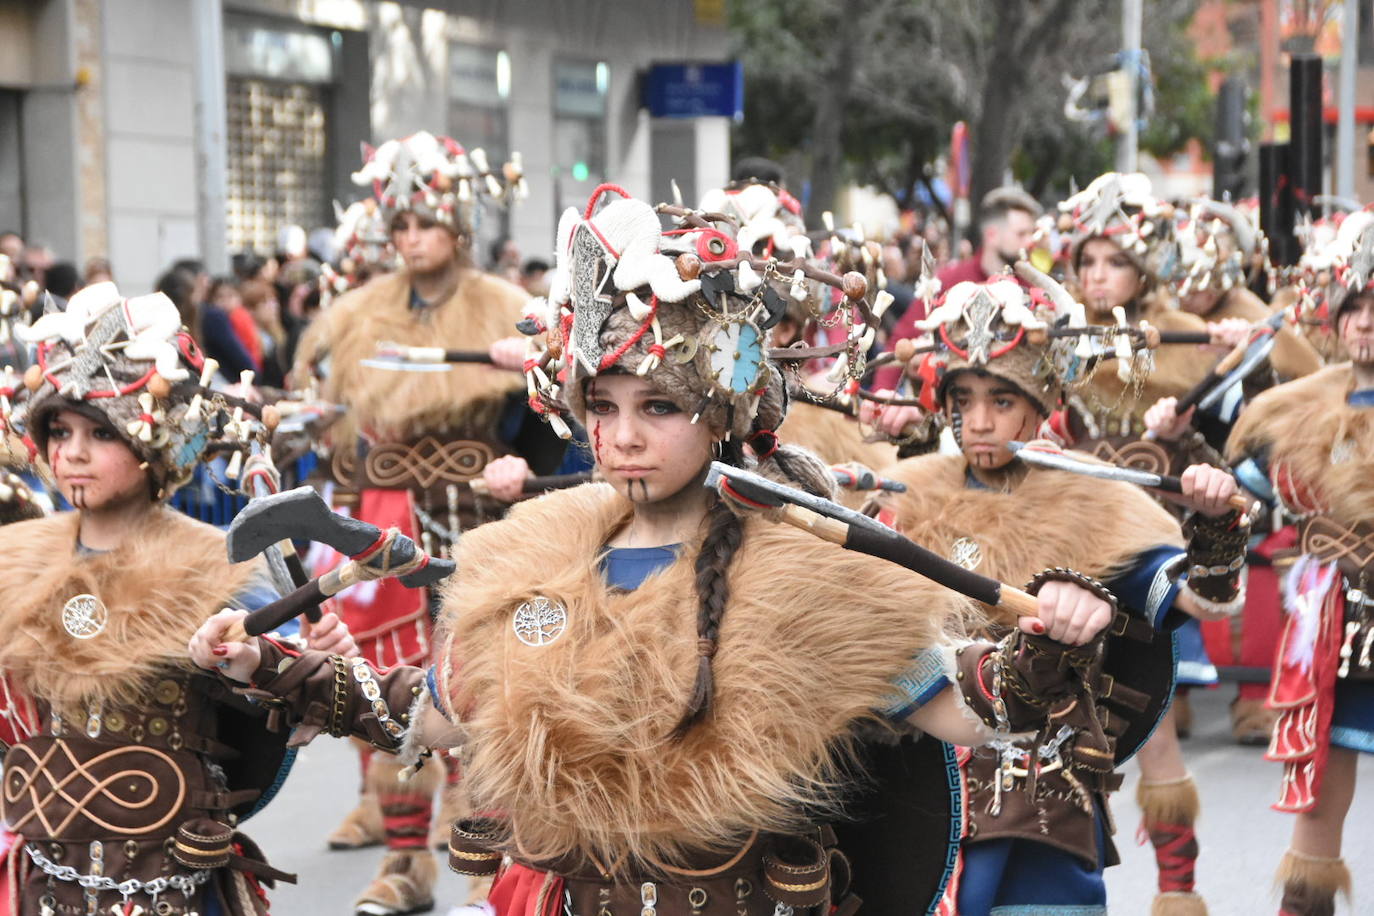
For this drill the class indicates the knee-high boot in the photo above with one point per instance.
(1168, 811)
(1310, 884)
(405, 881)
(361, 827)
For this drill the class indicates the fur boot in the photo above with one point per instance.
(361, 827)
(405, 883)
(1252, 723)
(1310, 884)
(1168, 812)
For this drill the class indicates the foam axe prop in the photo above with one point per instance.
(856, 531)
(537, 484)
(302, 514)
(1048, 457)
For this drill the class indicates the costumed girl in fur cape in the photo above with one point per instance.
(652, 694)
(1038, 841)
(1308, 445)
(126, 768)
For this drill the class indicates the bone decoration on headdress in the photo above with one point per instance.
(129, 360)
(1026, 334)
(1217, 244)
(1123, 209)
(1333, 274)
(685, 306)
(362, 241)
(437, 178)
(768, 219)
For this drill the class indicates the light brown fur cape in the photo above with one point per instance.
(402, 405)
(1050, 518)
(1178, 367)
(571, 739)
(1301, 422)
(158, 587)
(834, 437)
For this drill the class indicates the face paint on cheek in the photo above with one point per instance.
(956, 423)
(596, 442)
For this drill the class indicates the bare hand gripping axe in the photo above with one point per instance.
(302, 515)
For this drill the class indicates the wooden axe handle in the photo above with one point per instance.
(1023, 604)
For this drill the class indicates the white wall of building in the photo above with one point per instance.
(149, 138)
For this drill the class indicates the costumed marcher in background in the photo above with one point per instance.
(127, 770)
(640, 725)
(1007, 219)
(1123, 254)
(412, 440)
(1038, 832)
(1307, 445)
(1218, 244)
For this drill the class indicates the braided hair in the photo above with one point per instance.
(724, 534)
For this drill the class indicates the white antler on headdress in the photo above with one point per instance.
(631, 228)
(84, 307)
(153, 322)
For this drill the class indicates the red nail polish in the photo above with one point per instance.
(224, 650)
(1037, 627)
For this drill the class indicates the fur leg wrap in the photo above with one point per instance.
(1310, 884)
(1168, 811)
(407, 806)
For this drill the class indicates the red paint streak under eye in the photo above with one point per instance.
(596, 441)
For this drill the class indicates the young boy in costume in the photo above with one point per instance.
(654, 695)
(126, 769)
(1038, 835)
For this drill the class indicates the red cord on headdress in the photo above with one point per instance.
(596, 196)
(610, 359)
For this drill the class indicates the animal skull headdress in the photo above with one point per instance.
(127, 359)
(1001, 327)
(1332, 274)
(686, 306)
(436, 178)
(1217, 243)
(1123, 209)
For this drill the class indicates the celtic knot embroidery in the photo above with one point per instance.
(426, 463)
(1139, 455)
(141, 787)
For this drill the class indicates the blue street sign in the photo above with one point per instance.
(695, 90)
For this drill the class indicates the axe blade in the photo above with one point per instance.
(298, 514)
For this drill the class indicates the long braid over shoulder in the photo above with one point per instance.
(724, 534)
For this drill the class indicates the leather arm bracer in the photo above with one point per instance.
(315, 692)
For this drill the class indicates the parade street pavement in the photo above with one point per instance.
(1242, 839)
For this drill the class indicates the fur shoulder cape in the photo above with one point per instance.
(1178, 367)
(834, 437)
(1301, 423)
(571, 738)
(1051, 518)
(401, 405)
(157, 587)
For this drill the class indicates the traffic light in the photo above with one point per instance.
(1232, 148)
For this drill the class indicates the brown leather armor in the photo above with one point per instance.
(107, 797)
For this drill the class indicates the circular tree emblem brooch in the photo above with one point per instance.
(539, 621)
(84, 616)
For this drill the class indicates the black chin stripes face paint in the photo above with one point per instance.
(639, 494)
(78, 497)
